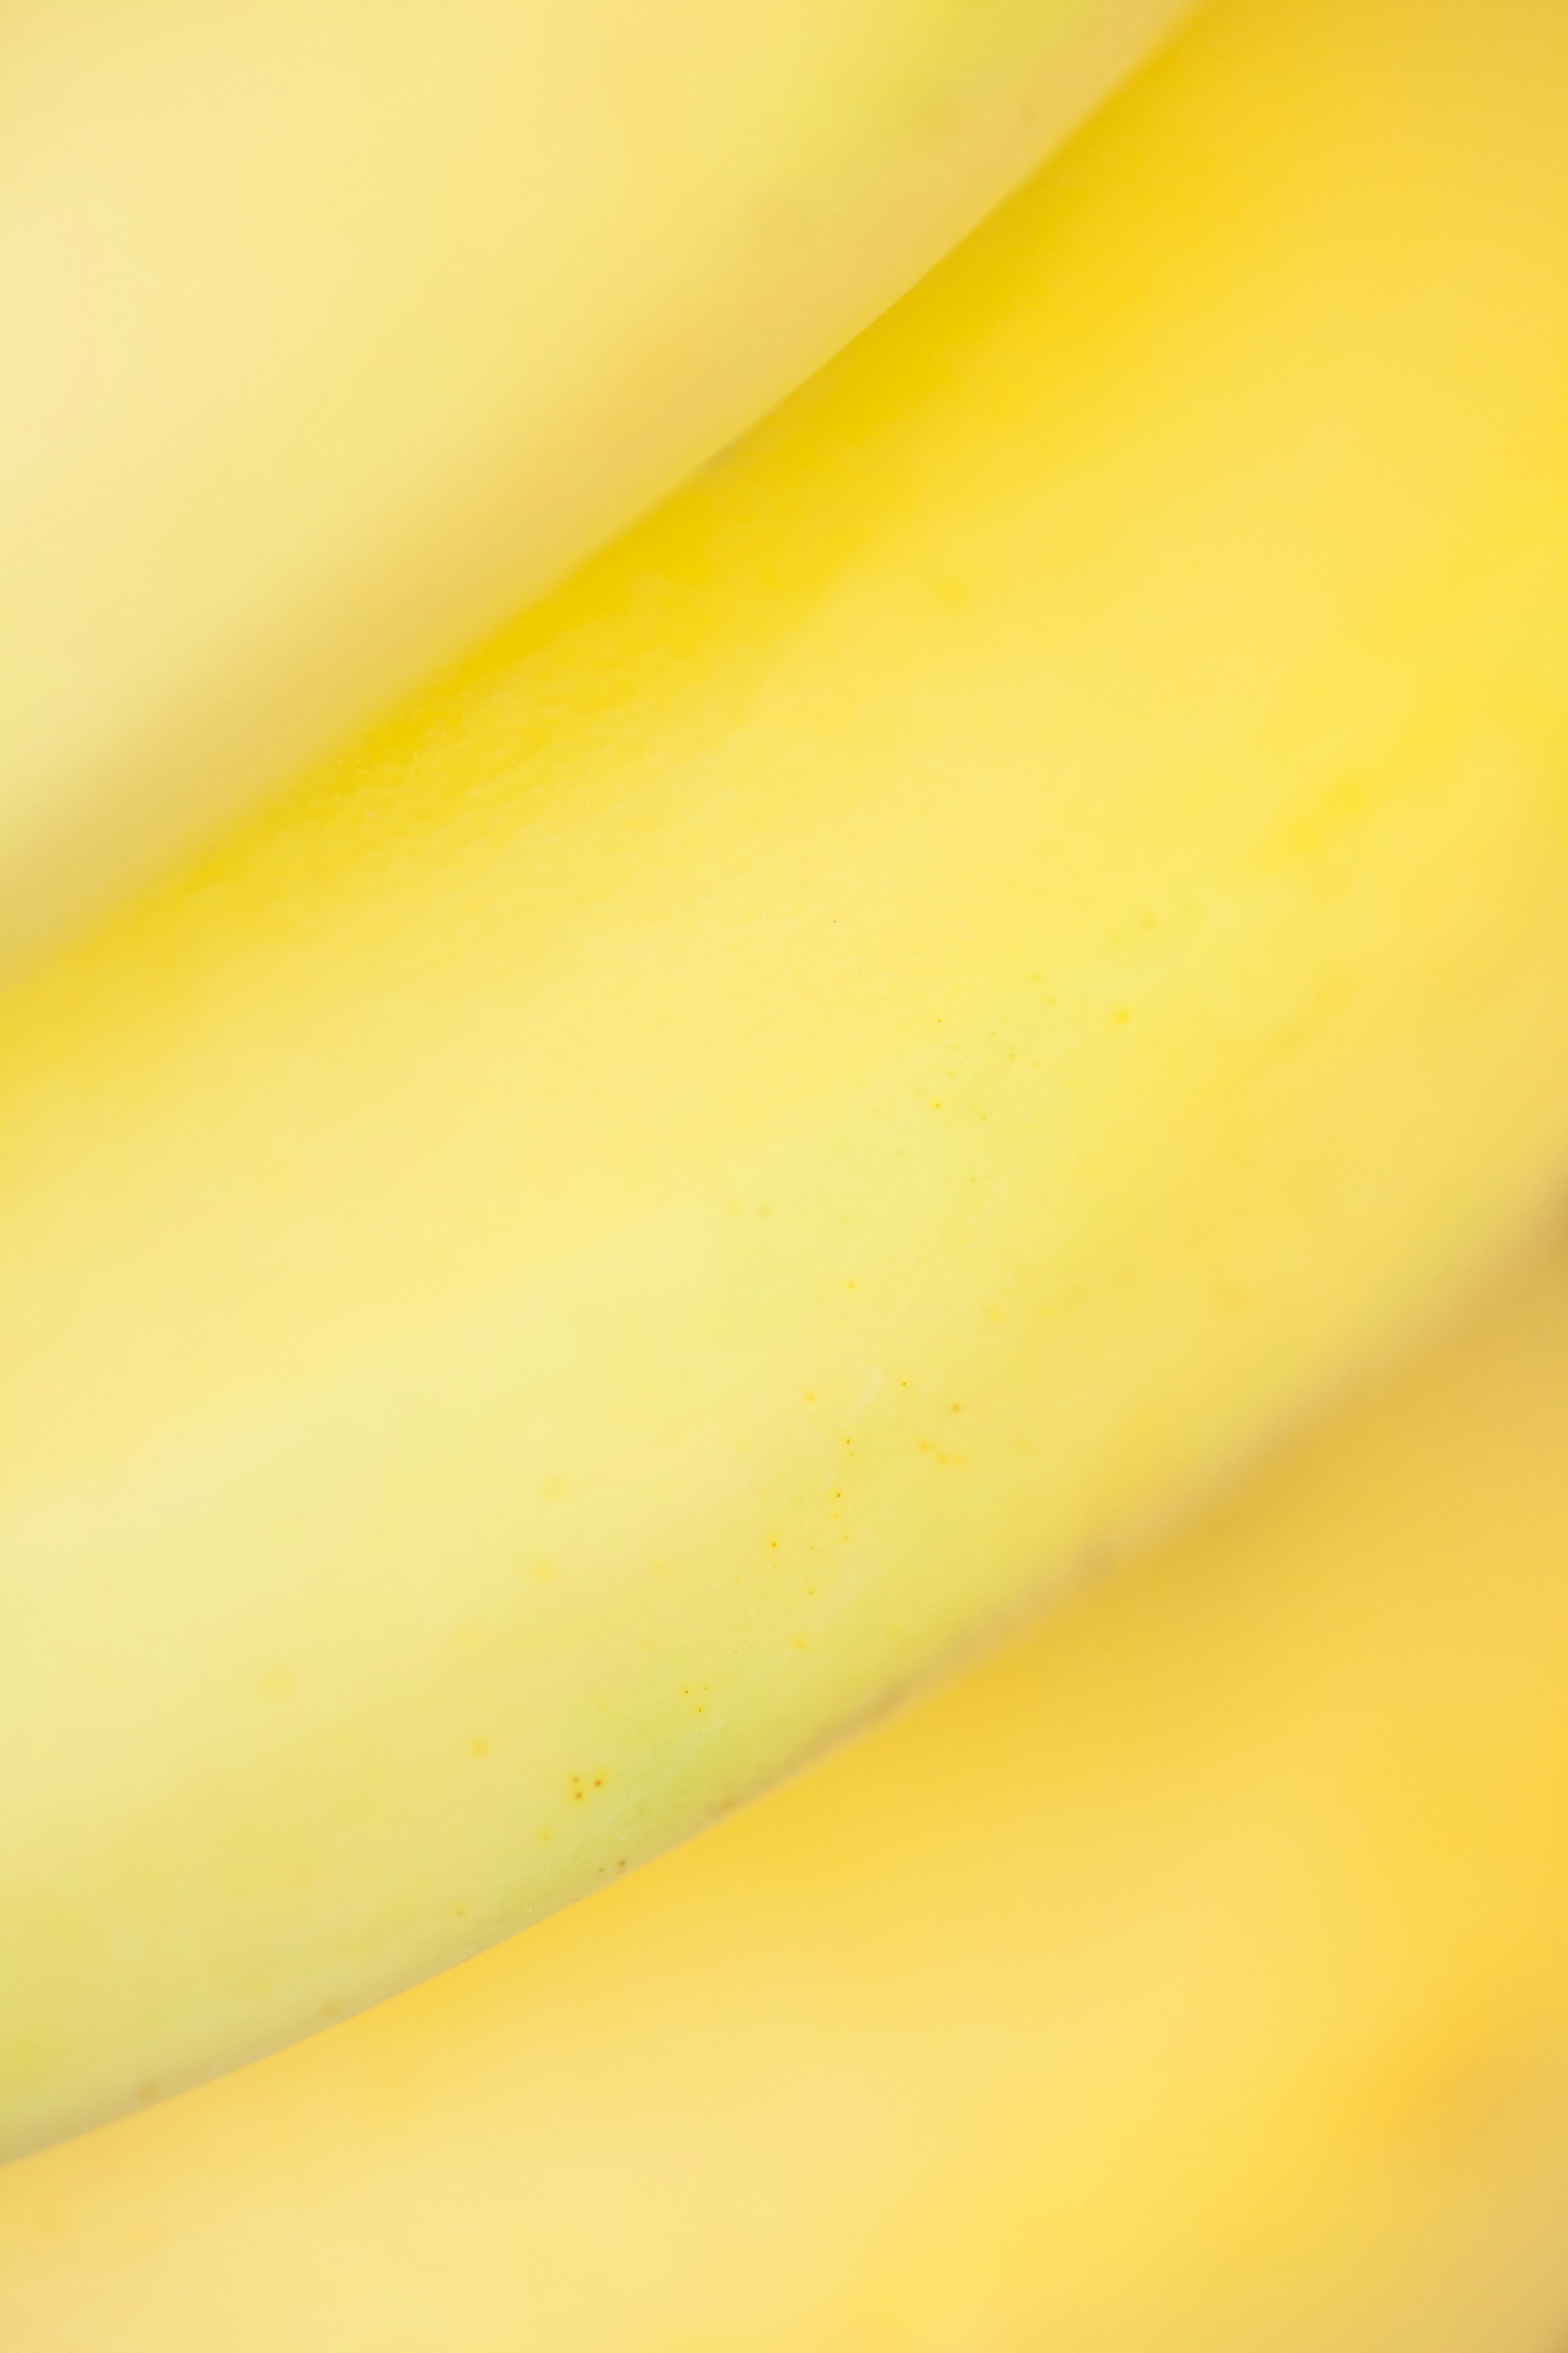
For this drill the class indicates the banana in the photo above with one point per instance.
(334, 330)
(1196, 1976)
(976, 967)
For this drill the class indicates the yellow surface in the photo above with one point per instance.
(982, 961)
(1195, 1977)
(334, 328)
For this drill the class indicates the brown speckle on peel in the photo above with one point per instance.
(928, 1446)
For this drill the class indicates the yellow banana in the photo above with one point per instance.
(1196, 1977)
(978, 963)
(332, 329)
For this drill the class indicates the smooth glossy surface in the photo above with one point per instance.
(336, 328)
(992, 955)
(1195, 1977)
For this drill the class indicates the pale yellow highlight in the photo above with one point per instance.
(992, 955)
(335, 328)
(1195, 1977)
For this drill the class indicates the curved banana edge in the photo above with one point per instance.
(990, 957)
(336, 332)
(1196, 1975)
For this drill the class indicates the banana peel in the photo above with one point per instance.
(1193, 1976)
(335, 330)
(973, 970)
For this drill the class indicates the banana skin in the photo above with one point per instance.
(335, 330)
(979, 965)
(1195, 1975)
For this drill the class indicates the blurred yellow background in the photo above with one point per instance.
(1192, 1980)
